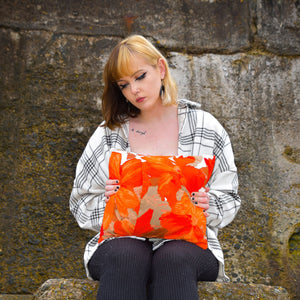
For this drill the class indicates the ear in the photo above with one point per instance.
(162, 67)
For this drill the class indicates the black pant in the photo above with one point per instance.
(128, 269)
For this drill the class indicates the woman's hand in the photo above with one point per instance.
(112, 186)
(201, 199)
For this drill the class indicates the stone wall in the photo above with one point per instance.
(238, 58)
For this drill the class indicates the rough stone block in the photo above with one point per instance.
(278, 26)
(186, 25)
(79, 289)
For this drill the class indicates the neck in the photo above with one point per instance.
(158, 113)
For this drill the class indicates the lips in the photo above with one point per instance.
(140, 99)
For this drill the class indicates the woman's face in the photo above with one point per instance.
(142, 87)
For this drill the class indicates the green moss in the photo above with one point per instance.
(292, 154)
(294, 242)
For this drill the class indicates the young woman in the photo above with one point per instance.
(143, 115)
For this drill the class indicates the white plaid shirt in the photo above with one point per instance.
(199, 133)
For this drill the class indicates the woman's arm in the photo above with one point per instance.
(224, 201)
(87, 201)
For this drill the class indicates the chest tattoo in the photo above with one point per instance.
(139, 131)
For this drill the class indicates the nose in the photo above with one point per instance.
(134, 88)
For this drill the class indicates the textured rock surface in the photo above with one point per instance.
(197, 24)
(60, 289)
(239, 59)
(16, 297)
(57, 289)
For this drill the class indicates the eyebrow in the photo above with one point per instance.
(130, 75)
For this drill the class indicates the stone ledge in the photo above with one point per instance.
(84, 289)
(15, 297)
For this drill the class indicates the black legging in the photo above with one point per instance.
(128, 269)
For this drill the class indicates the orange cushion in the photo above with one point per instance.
(154, 197)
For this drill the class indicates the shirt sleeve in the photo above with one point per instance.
(224, 199)
(87, 200)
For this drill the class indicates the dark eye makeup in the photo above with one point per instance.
(142, 76)
(123, 86)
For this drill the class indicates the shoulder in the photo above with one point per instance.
(104, 137)
(101, 135)
(98, 134)
(185, 103)
(196, 114)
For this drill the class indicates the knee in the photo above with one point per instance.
(170, 255)
(129, 251)
(120, 256)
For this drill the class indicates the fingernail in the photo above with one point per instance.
(116, 190)
(193, 198)
(193, 194)
(196, 202)
(117, 181)
(118, 187)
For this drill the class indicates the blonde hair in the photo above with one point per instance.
(115, 108)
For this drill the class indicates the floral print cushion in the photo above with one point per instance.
(153, 200)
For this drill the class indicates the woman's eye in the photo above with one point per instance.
(123, 86)
(142, 76)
